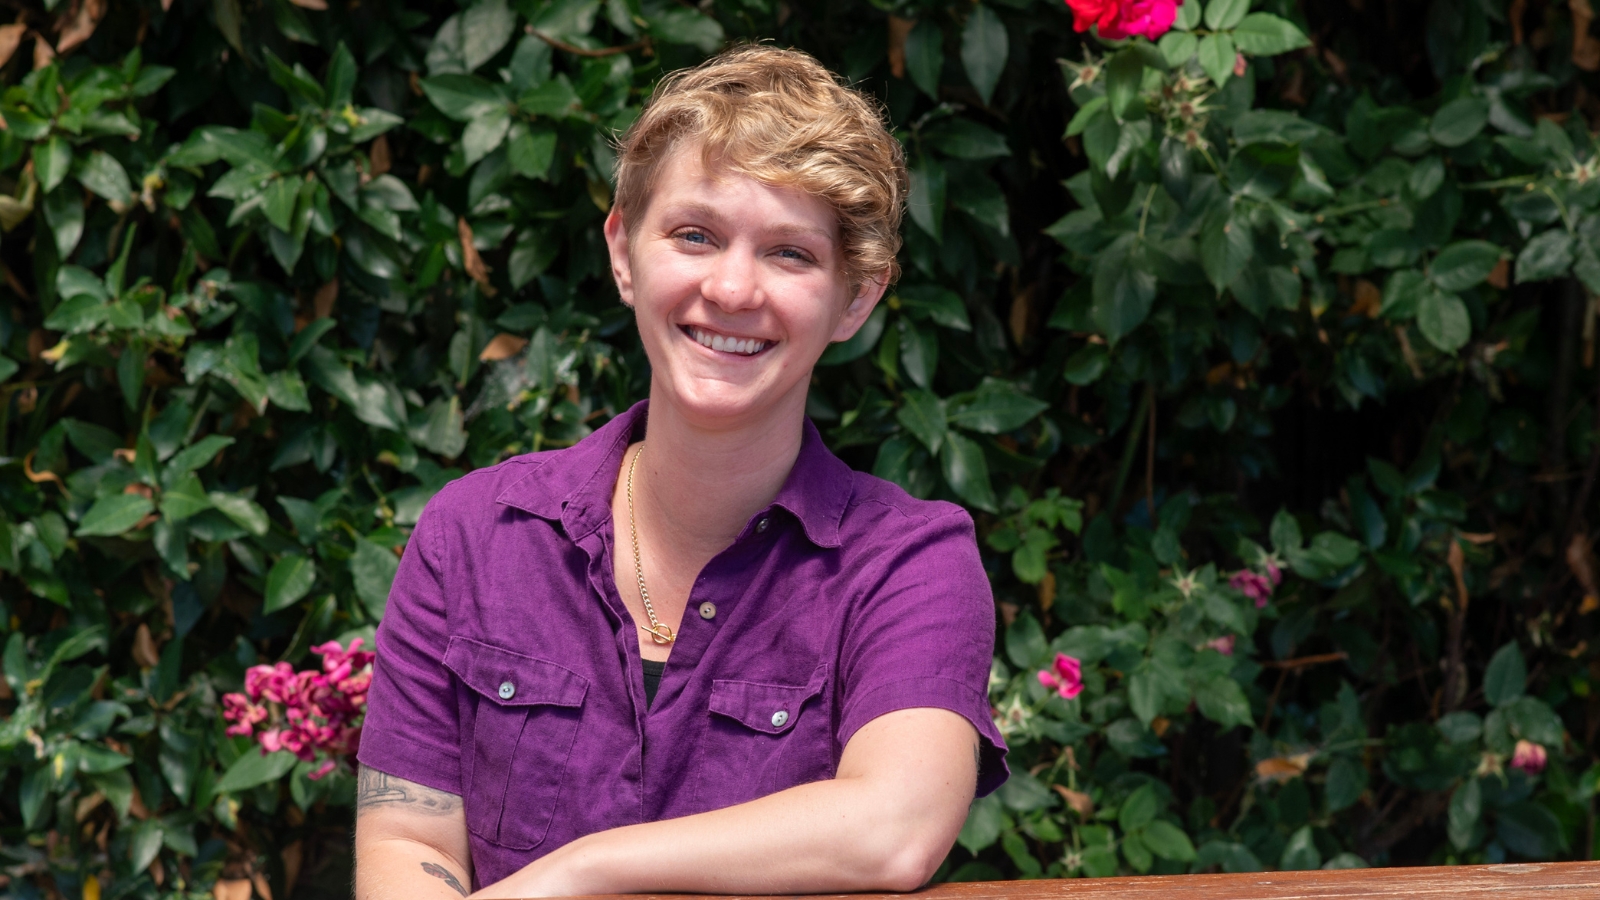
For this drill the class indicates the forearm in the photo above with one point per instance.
(828, 836)
(885, 823)
(411, 840)
(398, 869)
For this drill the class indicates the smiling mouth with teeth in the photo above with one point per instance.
(736, 346)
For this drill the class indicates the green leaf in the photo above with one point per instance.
(255, 768)
(925, 202)
(994, 408)
(1124, 288)
(1222, 701)
(919, 352)
(1466, 806)
(1178, 47)
(63, 212)
(1087, 365)
(1217, 56)
(1443, 319)
(1139, 809)
(102, 174)
(1347, 780)
(114, 515)
(1464, 264)
(967, 471)
(1225, 247)
(1459, 121)
(960, 138)
(52, 159)
(1124, 75)
(1188, 16)
(1264, 34)
(484, 133)
(1301, 851)
(290, 579)
(1533, 719)
(1403, 294)
(1168, 841)
(1460, 727)
(244, 512)
(1529, 828)
(985, 820)
(195, 456)
(1222, 15)
(1506, 676)
(940, 304)
(531, 150)
(462, 97)
(925, 56)
(373, 568)
(677, 25)
(184, 497)
(984, 46)
(1548, 255)
(923, 415)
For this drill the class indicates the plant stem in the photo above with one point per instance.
(1131, 447)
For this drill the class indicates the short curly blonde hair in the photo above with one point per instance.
(783, 119)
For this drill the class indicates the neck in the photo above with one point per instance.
(698, 486)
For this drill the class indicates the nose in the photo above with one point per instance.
(733, 281)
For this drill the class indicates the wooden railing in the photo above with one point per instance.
(1532, 881)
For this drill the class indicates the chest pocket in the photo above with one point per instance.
(526, 713)
(761, 739)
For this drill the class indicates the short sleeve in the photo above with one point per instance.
(411, 727)
(923, 636)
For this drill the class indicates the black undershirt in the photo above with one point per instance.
(652, 678)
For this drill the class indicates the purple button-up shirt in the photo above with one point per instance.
(508, 668)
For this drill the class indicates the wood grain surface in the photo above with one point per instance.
(1536, 881)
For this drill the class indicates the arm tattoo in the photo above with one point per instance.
(439, 871)
(375, 788)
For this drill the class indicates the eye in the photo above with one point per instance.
(794, 254)
(692, 236)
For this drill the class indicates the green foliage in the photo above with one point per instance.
(273, 275)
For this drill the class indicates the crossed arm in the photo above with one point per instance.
(885, 822)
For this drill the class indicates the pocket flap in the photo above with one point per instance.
(511, 679)
(768, 708)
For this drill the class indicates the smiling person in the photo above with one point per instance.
(695, 652)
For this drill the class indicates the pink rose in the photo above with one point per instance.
(1529, 757)
(1223, 645)
(1121, 19)
(1066, 680)
(1253, 585)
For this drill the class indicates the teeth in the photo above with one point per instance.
(743, 347)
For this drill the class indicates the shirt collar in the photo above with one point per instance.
(574, 485)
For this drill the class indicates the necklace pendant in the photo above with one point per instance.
(660, 633)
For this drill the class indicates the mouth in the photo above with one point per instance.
(726, 343)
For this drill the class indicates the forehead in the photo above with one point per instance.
(687, 183)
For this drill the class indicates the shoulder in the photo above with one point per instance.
(879, 505)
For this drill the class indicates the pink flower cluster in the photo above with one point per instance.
(306, 712)
(1529, 757)
(1066, 679)
(1256, 586)
(1121, 19)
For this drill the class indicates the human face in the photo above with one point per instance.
(737, 287)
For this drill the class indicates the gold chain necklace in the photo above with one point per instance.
(660, 632)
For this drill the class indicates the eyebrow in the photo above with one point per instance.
(708, 211)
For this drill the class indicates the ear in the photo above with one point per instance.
(621, 266)
(861, 306)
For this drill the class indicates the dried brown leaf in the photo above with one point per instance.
(1078, 801)
(502, 346)
(1585, 46)
(1369, 299)
(470, 260)
(379, 155)
(323, 302)
(1457, 561)
(1283, 768)
(145, 652)
(1581, 563)
(81, 22)
(1500, 275)
(899, 29)
(318, 5)
(43, 53)
(10, 40)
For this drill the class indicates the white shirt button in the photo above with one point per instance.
(708, 610)
(762, 523)
(779, 718)
(507, 690)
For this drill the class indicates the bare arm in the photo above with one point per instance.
(886, 822)
(411, 840)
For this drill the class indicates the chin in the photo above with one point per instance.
(724, 405)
